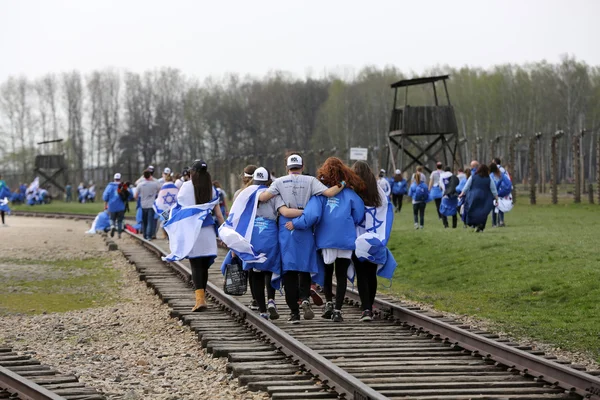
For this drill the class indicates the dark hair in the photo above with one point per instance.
(448, 169)
(461, 170)
(202, 182)
(398, 178)
(497, 161)
(370, 195)
(217, 184)
(147, 174)
(483, 171)
(468, 172)
(438, 165)
(494, 168)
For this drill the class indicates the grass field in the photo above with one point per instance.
(536, 278)
(62, 207)
(33, 287)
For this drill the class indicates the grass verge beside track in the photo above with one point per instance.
(62, 207)
(536, 278)
(34, 287)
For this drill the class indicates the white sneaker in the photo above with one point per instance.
(416, 226)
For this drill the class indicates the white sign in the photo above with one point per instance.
(359, 153)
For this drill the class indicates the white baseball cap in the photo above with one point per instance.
(150, 168)
(167, 171)
(294, 161)
(382, 170)
(398, 172)
(117, 177)
(261, 175)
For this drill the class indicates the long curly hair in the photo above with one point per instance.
(333, 171)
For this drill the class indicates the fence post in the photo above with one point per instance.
(532, 145)
(511, 163)
(576, 168)
(554, 167)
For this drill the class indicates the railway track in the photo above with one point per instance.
(406, 353)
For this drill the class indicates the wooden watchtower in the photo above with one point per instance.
(424, 133)
(51, 167)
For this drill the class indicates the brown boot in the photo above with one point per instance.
(200, 301)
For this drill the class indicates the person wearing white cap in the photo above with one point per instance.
(115, 196)
(166, 172)
(264, 240)
(399, 189)
(384, 184)
(299, 257)
(141, 178)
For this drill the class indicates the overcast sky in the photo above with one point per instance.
(215, 37)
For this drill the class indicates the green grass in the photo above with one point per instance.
(536, 278)
(62, 207)
(64, 285)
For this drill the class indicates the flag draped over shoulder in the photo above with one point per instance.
(4, 205)
(166, 199)
(372, 237)
(184, 226)
(236, 232)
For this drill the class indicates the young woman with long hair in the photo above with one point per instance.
(375, 202)
(200, 191)
(479, 193)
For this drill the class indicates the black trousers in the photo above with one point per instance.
(397, 201)
(454, 220)
(366, 276)
(2, 214)
(200, 266)
(297, 287)
(341, 271)
(258, 281)
(419, 212)
(438, 203)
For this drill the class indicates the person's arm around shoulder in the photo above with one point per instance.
(289, 212)
(271, 192)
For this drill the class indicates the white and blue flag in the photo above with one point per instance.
(372, 237)
(166, 199)
(184, 226)
(236, 232)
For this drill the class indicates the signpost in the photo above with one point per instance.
(359, 153)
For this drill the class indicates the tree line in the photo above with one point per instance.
(118, 119)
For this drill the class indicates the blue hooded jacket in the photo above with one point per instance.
(110, 195)
(335, 218)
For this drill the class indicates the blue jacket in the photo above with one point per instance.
(399, 187)
(110, 195)
(335, 218)
(413, 190)
(297, 247)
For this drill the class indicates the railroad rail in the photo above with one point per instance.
(405, 354)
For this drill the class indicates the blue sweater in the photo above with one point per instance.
(110, 195)
(335, 219)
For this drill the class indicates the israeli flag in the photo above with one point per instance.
(372, 237)
(184, 226)
(236, 232)
(166, 199)
(4, 205)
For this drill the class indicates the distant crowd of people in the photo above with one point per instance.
(471, 193)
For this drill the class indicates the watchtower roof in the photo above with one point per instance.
(419, 81)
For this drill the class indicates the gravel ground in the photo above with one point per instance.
(129, 350)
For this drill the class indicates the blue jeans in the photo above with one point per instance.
(497, 219)
(148, 222)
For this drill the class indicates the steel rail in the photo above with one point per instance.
(570, 379)
(334, 376)
(25, 388)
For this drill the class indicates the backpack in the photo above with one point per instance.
(123, 191)
(399, 187)
(504, 186)
(421, 193)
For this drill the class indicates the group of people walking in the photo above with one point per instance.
(297, 230)
(471, 194)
